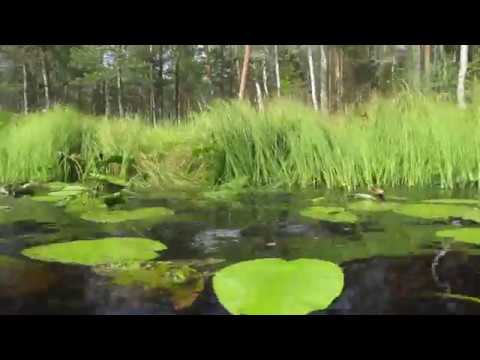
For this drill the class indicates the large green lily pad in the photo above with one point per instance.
(62, 193)
(367, 205)
(452, 201)
(114, 180)
(116, 216)
(466, 235)
(97, 252)
(329, 213)
(182, 283)
(5, 208)
(278, 287)
(439, 211)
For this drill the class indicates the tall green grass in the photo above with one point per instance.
(408, 140)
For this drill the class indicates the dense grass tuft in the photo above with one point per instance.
(409, 140)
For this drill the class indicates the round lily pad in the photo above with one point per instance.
(5, 208)
(116, 216)
(439, 211)
(278, 287)
(366, 205)
(329, 213)
(97, 252)
(467, 235)
(318, 200)
(452, 201)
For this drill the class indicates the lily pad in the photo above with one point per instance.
(182, 283)
(47, 198)
(97, 252)
(5, 208)
(367, 205)
(116, 216)
(83, 204)
(329, 213)
(114, 180)
(439, 211)
(278, 287)
(318, 200)
(452, 201)
(466, 235)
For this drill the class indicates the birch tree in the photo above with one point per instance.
(461, 75)
(312, 78)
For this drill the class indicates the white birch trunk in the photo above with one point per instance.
(461, 75)
(312, 78)
(277, 70)
(25, 88)
(323, 80)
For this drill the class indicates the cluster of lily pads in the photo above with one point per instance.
(262, 286)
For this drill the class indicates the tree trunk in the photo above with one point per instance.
(107, 99)
(43, 57)
(177, 88)
(277, 70)
(323, 80)
(416, 65)
(119, 85)
(246, 63)
(461, 75)
(427, 68)
(153, 106)
(25, 88)
(312, 78)
(221, 85)
(338, 77)
(160, 82)
(264, 76)
(259, 96)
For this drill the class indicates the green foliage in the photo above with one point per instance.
(97, 252)
(439, 211)
(467, 235)
(278, 287)
(332, 214)
(115, 216)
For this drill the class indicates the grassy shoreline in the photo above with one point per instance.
(411, 140)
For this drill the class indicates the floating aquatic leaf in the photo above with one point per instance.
(116, 216)
(181, 282)
(366, 205)
(467, 235)
(439, 211)
(330, 213)
(83, 204)
(48, 198)
(278, 287)
(452, 201)
(317, 200)
(5, 208)
(114, 180)
(96, 252)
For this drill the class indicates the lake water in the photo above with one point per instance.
(392, 263)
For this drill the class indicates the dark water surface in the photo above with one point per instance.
(387, 258)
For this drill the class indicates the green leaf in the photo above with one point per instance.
(439, 211)
(97, 252)
(329, 213)
(466, 235)
(367, 205)
(278, 287)
(452, 201)
(116, 216)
